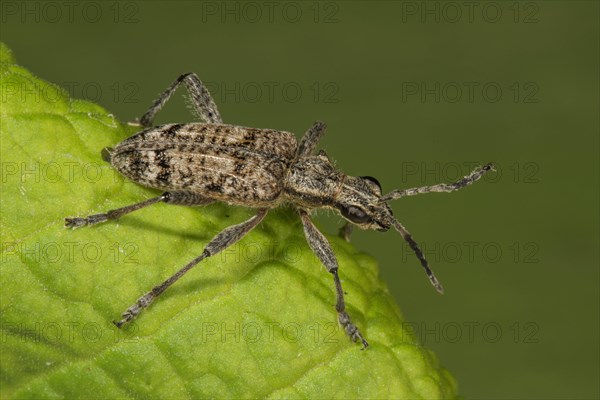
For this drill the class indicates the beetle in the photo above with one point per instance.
(202, 162)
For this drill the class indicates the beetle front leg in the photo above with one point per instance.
(224, 239)
(202, 101)
(319, 244)
(345, 231)
(309, 141)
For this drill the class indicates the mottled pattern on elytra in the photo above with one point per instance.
(238, 165)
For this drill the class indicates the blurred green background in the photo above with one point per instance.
(414, 93)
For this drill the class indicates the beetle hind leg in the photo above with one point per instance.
(179, 198)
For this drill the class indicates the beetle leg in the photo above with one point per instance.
(184, 198)
(345, 231)
(202, 101)
(224, 239)
(319, 244)
(310, 139)
(180, 198)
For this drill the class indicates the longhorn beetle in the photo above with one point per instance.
(200, 163)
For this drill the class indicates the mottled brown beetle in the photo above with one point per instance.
(199, 163)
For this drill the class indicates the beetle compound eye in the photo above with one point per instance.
(372, 180)
(355, 214)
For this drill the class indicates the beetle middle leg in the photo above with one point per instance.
(179, 198)
(319, 244)
(201, 100)
(220, 242)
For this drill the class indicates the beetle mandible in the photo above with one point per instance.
(200, 163)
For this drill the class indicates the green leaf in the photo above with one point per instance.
(256, 321)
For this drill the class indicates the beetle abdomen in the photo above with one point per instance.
(228, 163)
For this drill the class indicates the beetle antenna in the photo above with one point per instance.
(415, 247)
(442, 187)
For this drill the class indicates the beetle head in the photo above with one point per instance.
(361, 202)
